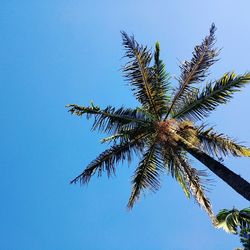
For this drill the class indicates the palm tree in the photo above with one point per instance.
(162, 131)
(236, 222)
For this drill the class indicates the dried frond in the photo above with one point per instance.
(204, 56)
(195, 180)
(196, 70)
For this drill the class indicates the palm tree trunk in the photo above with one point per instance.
(235, 181)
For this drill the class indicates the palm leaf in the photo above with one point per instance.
(233, 220)
(138, 73)
(111, 119)
(160, 81)
(147, 174)
(220, 145)
(196, 70)
(199, 105)
(228, 220)
(195, 180)
(174, 168)
(126, 134)
(107, 160)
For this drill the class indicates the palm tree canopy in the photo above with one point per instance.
(230, 220)
(236, 222)
(162, 131)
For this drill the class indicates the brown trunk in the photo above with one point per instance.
(235, 181)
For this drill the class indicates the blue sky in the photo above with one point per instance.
(59, 52)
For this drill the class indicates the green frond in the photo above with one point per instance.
(160, 81)
(181, 179)
(147, 174)
(202, 103)
(174, 169)
(196, 70)
(138, 73)
(220, 145)
(111, 119)
(107, 160)
(228, 220)
(222, 219)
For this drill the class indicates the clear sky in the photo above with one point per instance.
(59, 52)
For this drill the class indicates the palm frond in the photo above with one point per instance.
(200, 104)
(228, 220)
(236, 222)
(147, 174)
(126, 134)
(220, 145)
(196, 70)
(174, 169)
(138, 73)
(160, 81)
(111, 119)
(107, 160)
(204, 56)
(196, 182)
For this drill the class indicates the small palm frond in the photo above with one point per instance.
(111, 119)
(195, 180)
(228, 220)
(160, 81)
(138, 73)
(147, 174)
(200, 104)
(107, 160)
(196, 70)
(236, 222)
(220, 145)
